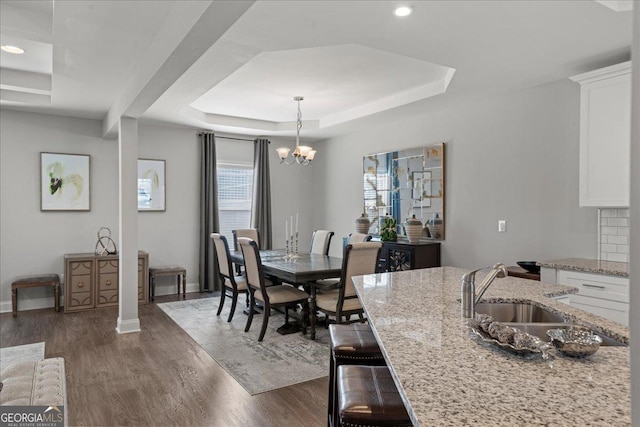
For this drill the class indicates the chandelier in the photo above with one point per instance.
(302, 155)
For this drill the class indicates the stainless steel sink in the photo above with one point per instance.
(540, 330)
(518, 312)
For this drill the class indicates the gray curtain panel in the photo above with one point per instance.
(209, 277)
(261, 203)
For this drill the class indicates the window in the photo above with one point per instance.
(235, 189)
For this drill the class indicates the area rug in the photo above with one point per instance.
(21, 353)
(278, 361)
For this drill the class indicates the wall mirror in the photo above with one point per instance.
(404, 183)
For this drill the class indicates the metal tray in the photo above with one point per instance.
(475, 328)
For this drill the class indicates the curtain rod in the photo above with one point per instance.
(229, 137)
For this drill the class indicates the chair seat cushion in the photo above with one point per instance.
(282, 294)
(367, 395)
(326, 285)
(241, 282)
(329, 301)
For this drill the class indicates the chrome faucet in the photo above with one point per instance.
(469, 296)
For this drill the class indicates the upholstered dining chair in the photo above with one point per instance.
(358, 238)
(320, 241)
(232, 284)
(270, 296)
(251, 233)
(359, 259)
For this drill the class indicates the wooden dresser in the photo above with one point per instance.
(91, 281)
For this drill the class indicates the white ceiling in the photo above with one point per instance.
(235, 67)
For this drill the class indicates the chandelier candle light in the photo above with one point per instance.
(288, 237)
(303, 154)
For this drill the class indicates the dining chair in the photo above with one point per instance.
(320, 241)
(359, 258)
(270, 296)
(358, 238)
(251, 233)
(231, 283)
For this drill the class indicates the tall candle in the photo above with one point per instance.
(292, 226)
(296, 222)
(286, 226)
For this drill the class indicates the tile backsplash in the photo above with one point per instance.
(614, 234)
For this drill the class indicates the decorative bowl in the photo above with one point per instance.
(575, 342)
(530, 266)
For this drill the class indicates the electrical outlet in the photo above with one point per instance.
(502, 226)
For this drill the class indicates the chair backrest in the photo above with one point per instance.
(358, 238)
(252, 264)
(251, 233)
(359, 259)
(222, 252)
(320, 242)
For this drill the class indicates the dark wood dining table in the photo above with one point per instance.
(302, 271)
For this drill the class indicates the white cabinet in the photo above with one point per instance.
(605, 135)
(606, 296)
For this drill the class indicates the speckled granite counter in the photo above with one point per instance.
(449, 378)
(611, 268)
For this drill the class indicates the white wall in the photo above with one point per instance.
(513, 157)
(34, 242)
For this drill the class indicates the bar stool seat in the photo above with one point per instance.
(351, 344)
(367, 396)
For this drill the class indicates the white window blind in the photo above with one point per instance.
(235, 186)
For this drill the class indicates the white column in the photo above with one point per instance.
(634, 258)
(128, 264)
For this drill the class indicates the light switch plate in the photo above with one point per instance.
(502, 226)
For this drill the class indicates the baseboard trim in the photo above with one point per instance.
(128, 326)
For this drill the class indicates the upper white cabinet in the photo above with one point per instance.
(605, 135)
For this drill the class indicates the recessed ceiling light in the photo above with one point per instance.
(12, 49)
(403, 11)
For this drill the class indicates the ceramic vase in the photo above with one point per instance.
(413, 228)
(362, 224)
(435, 226)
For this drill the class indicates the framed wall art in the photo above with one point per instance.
(64, 182)
(151, 185)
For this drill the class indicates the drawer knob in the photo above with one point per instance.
(108, 283)
(81, 284)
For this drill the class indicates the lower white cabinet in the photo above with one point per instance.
(606, 296)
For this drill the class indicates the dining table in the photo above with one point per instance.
(304, 270)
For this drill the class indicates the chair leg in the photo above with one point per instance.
(234, 301)
(223, 293)
(265, 321)
(250, 318)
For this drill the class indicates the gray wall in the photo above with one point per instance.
(513, 157)
(34, 242)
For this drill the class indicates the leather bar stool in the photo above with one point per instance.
(367, 396)
(351, 344)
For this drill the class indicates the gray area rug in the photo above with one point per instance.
(21, 353)
(278, 361)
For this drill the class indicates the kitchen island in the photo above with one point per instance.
(447, 376)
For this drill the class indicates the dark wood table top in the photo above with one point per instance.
(307, 268)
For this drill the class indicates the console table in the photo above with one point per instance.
(91, 281)
(402, 255)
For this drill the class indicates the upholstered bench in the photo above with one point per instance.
(34, 281)
(179, 272)
(40, 383)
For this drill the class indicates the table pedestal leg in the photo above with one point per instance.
(312, 313)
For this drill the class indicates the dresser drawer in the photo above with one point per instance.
(108, 266)
(80, 268)
(596, 285)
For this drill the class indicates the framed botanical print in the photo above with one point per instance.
(65, 182)
(151, 185)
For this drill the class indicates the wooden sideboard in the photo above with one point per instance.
(401, 255)
(91, 281)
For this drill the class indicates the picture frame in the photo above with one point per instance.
(421, 189)
(151, 185)
(65, 182)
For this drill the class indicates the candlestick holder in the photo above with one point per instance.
(295, 254)
(289, 253)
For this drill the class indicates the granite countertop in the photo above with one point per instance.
(612, 268)
(447, 376)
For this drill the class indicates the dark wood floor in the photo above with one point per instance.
(157, 377)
